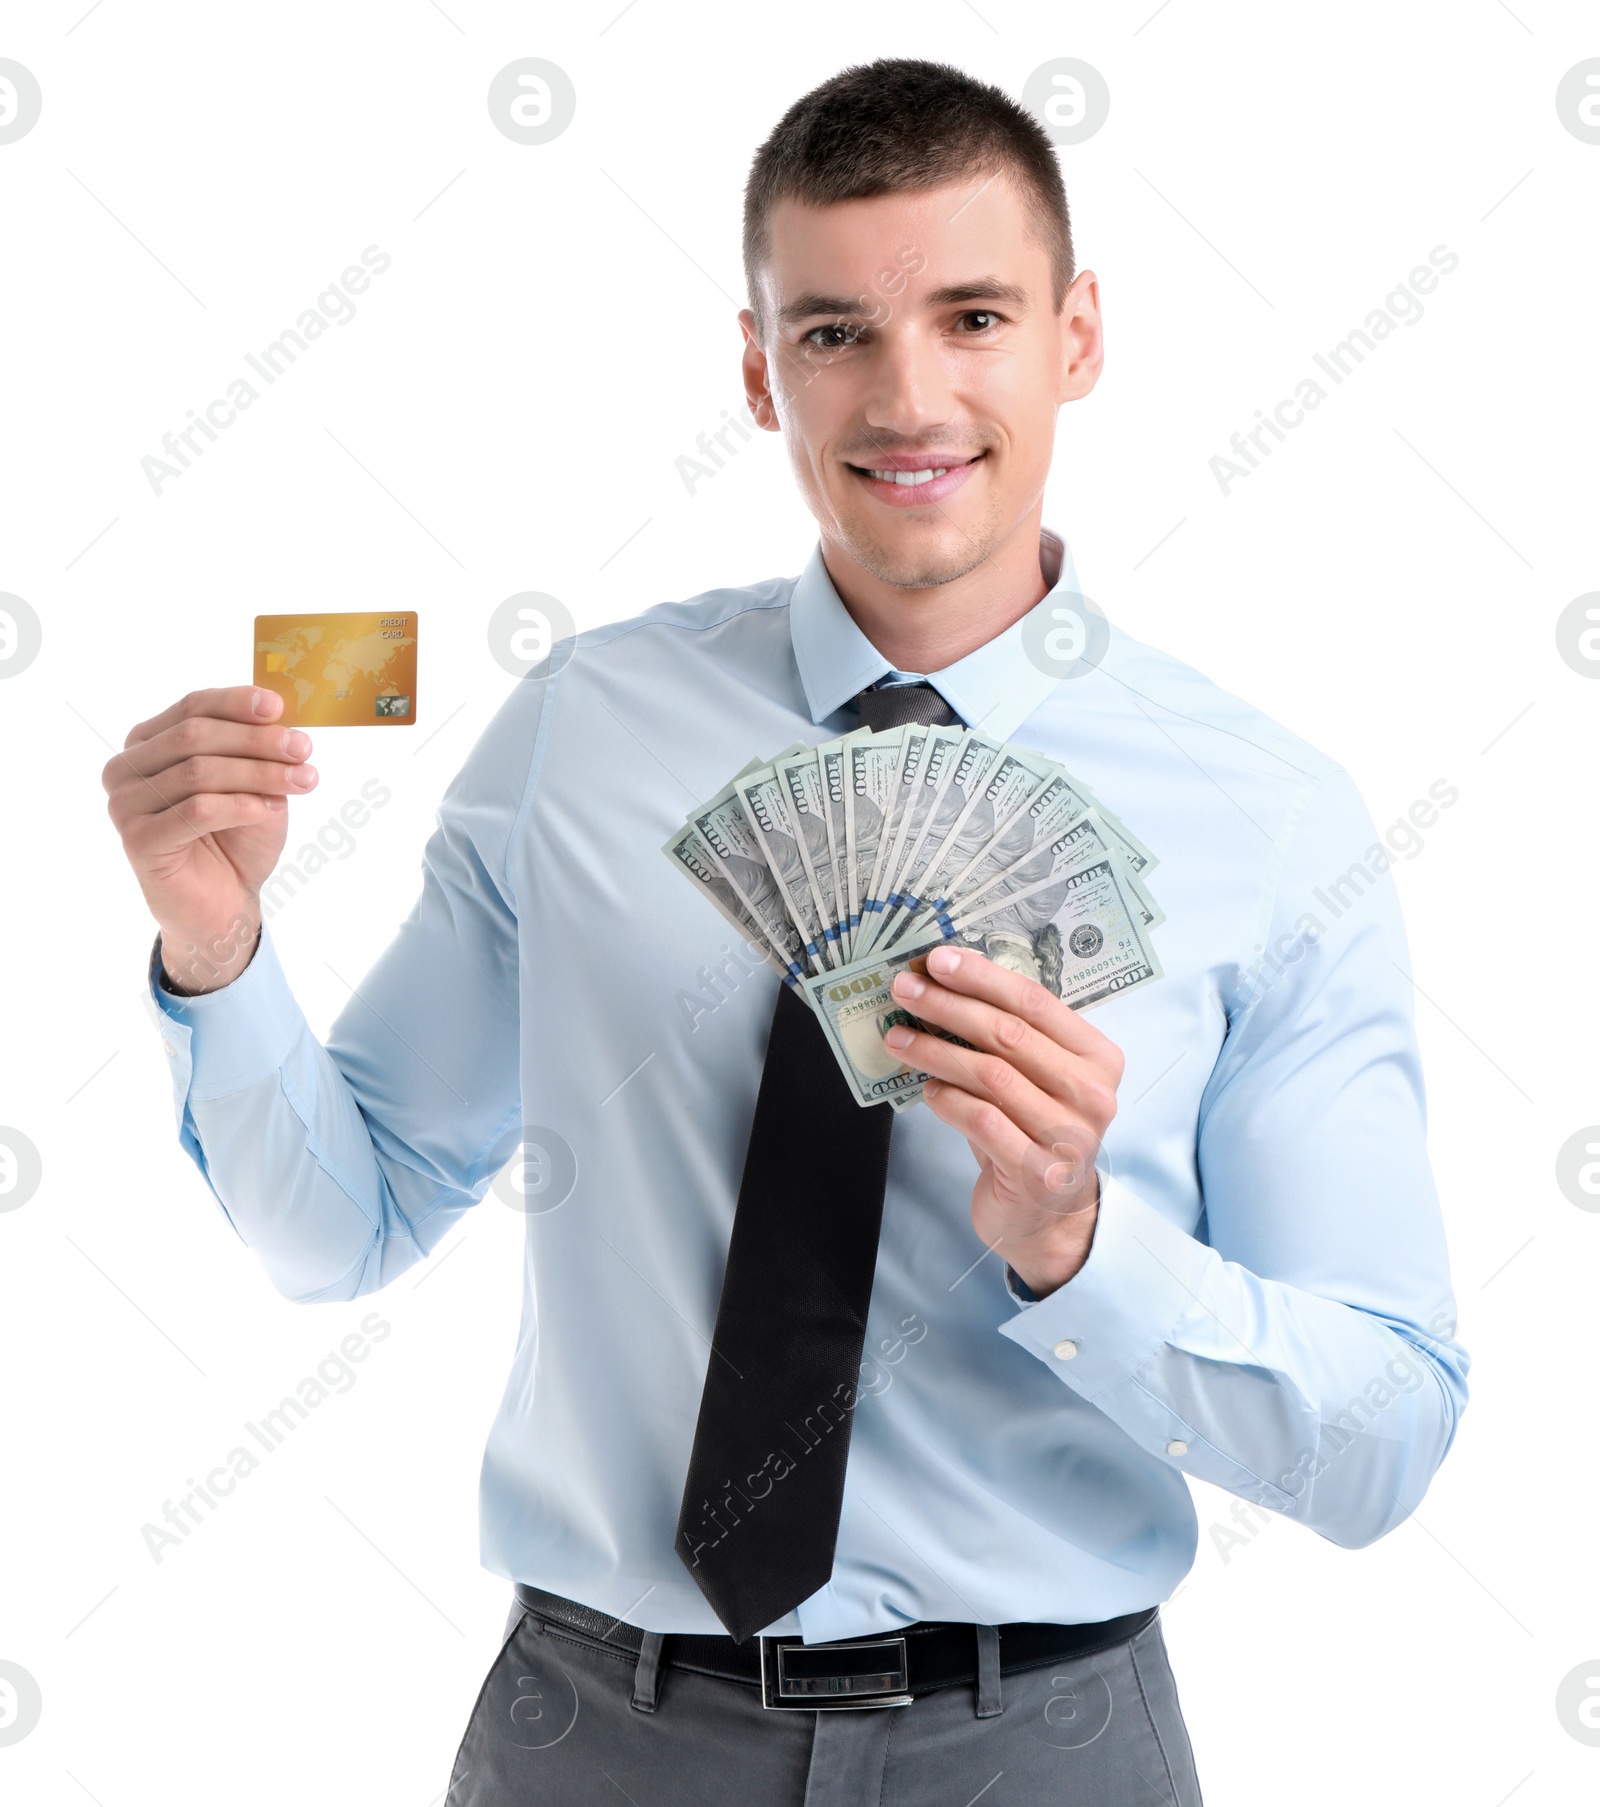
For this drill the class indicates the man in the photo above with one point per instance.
(1201, 1238)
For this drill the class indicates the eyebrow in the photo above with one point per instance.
(810, 304)
(985, 288)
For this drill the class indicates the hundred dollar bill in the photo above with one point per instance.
(856, 1009)
(1028, 851)
(997, 832)
(1075, 844)
(949, 815)
(948, 826)
(738, 854)
(755, 765)
(915, 744)
(738, 889)
(800, 779)
(831, 768)
(1016, 847)
(871, 761)
(1088, 949)
(1136, 856)
(1034, 821)
(1139, 858)
(1078, 932)
(936, 769)
(768, 814)
(691, 855)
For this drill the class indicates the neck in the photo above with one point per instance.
(926, 629)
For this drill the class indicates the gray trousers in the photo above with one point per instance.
(566, 1720)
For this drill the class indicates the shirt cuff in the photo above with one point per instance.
(221, 1041)
(1018, 1288)
(1100, 1327)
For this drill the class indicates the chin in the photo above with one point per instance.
(918, 556)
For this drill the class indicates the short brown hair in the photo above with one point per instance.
(901, 123)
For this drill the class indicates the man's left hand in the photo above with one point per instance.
(1034, 1096)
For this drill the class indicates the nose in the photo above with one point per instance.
(908, 393)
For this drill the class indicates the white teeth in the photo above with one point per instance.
(910, 477)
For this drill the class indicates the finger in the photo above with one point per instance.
(187, 730)
(990, 1131)
(199, 734)
(238, 703)
(988, 1076)
(1086, 1081)
(205, 774)
(1055, 1175)
(1049, 1065)
(149, 836)
(965, 971)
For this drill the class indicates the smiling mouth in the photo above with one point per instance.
(913, 478)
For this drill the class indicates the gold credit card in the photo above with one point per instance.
(339, 671)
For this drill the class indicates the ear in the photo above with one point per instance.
(1082, 337)
(757, 375)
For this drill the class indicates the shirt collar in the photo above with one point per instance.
(994, 689)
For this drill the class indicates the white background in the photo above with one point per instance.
(503, 413)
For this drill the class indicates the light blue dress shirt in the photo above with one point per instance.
(1267, 1301)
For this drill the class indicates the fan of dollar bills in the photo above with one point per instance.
(847, 861)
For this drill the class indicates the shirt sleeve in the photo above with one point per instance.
(342, 1164)
(1303, 1355)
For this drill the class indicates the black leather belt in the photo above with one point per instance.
(875, 1670)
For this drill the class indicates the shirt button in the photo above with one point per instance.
(169, 1047)
(1066, 1349)
(1177, 1447)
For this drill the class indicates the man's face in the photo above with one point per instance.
(910, 334)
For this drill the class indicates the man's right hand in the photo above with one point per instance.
(199, 795)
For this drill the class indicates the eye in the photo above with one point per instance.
(986, 319)
(841, 335)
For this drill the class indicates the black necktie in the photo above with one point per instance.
(760, 1511)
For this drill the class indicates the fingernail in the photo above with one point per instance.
(931, 1088)
(944, 960)
(296, 744)
(897, 1037)
(266, 702)
(908, 985)
(305, 776)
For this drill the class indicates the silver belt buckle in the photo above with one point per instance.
(819, 1676)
